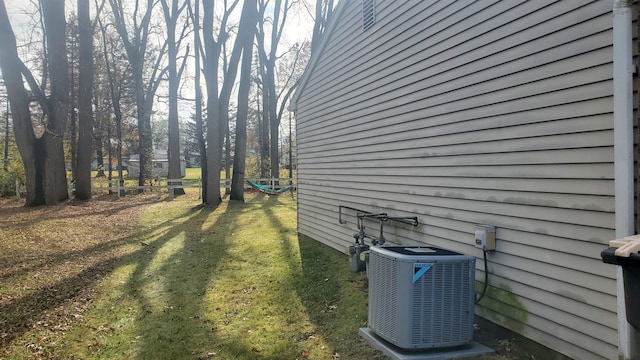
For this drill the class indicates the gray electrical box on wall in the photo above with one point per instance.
(485, 236)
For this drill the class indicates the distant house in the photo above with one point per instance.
(465, 113)
(192, 160)
(160, 165)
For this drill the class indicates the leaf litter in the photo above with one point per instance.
(52, 257)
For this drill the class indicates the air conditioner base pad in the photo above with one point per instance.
(397, 353)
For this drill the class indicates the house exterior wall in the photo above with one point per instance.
(465, 113)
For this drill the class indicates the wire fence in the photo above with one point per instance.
(159, 185)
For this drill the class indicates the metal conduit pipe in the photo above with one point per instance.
(623, 70)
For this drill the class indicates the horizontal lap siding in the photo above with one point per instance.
(461, 113)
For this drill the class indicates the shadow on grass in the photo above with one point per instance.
(180, 282)
(275, 297)
(170, 291)
(13, 210)
(162, 298)
(22, 267)
(17, 316)
(12, 222)
(334, 298)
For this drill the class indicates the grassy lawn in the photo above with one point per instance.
(144, 278)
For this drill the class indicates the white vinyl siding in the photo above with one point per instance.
(465, 113)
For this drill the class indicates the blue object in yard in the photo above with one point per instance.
(269, 190)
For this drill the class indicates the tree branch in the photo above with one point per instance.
(155, 78)
(184, 62)
(118, 15)
(286, 98)
(35, 89)
(98, 12)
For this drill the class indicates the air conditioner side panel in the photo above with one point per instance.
(432, 310)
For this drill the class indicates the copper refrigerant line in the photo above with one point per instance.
(356, 262)
(361, 215)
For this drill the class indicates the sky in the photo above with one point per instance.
(15, 9)
(299, 25)
(299, 28)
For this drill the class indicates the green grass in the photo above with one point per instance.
(232, 283)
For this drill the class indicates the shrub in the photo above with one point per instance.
(15, 171)
(252, 168)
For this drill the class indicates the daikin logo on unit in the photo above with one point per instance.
(419, 269)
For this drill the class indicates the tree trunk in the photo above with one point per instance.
(274, 122)
(119, 153)
(227, 157)
(271, 98)
(43, 158)
(115, 93)
(245, 30)
(144, 85)
(109, 158)
(213, 144)
(11, 67)
(99, 140)
(290, 153)
(237, 183)
(73, 126)
(199, 125)
(324, 12)
(214, 159)
(6, 138)
(55, 176)
(85, 97)
(264, 131)
(144, 129)
(175, 172)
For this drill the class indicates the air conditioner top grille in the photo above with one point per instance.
(426, 251)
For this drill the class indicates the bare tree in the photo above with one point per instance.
(246, 30)
(116, 77)
(323, 13)
(171, 16)
(268, 59)
(73, 103)
(199, 128)
(43, 156)
(147, 74)
(85, 98)
(246, 37)
(211, 62)
(215, 124)
(5, 158)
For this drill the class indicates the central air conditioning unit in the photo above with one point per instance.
(421, 297)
